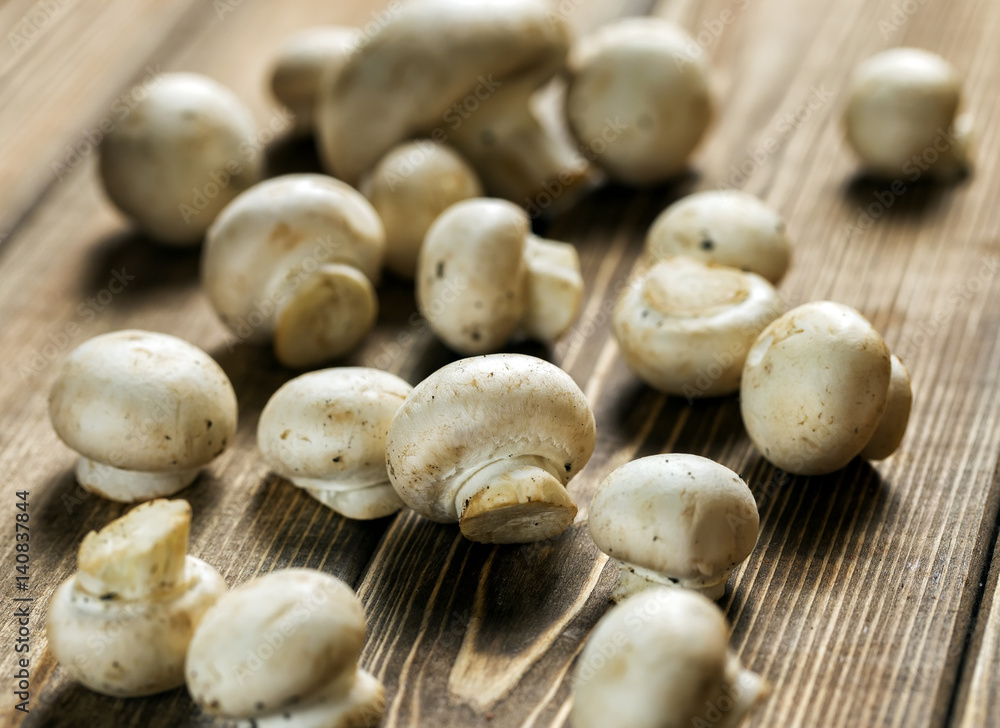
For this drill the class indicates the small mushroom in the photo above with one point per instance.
(674, 520)
(662, 658)
(903, 115)
(726, 227)
(638, 100)
(146, 412)
(121, 625)
(295, 259)
(177, 158)
(491, 442)
(818, 388)
(685, 327)
(482, 278)
(458, 71)
(325, 432)
(409, 187)
(303, 62)
(282, 650)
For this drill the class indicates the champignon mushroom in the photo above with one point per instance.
(685, 327)
(176, 160)
(121, 625)
(146, 412)
(662, 658)
(471, 69)
(727, 227)
(303, 62)
(409, 187)
(482, 278)
(283, 649)
(491, 442)
(325, 432)
(674, 520)
(295, 259)
(818, 387)
(637, 99)
(902, 115)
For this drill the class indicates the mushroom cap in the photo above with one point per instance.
(184, 135)
(727, 227)
(639, 72)
(429, 56)
(409, 187)
(898, 102)
(892, 427)
(267, 244)
(815, 387)
(471, 279)
(685, 327)
(683, 516)
(478, 411)
(330, 425)
(274, 640)
(143, 401)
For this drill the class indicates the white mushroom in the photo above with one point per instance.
(409, 187)
(121, 625)
(818, 387)
(146, 412)
(325, 432)
(177, 158)
(637, 99)
(685, 327)
(903, 115)
(726, 227)
(491, 442)
(461, 71)
(304, 61)
(482, 278)
(282, 650)
(661, 658)
(674, 519)
(295, 259)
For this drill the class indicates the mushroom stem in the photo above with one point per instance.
(633, 579)
(361, 502)
(514, 155)
(131, 486)
(514, 500)
(326, 316)
(958, 155)
(892, 426)
(362, 705)
(555, 288)
(746, 689)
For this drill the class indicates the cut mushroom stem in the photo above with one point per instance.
(555, 288)
(130, 486)
(892, 426)
(514, 500)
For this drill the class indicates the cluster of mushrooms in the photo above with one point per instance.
(490, 441)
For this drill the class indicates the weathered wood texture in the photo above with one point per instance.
(870, 599)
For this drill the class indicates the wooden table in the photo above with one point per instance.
(872, 597)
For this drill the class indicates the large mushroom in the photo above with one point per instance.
(491, 442)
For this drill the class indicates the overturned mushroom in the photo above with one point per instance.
(685, 327)
(177, 158)
(295, 259)
(482, 278)
(409, 187)
(325, 432)
(146, 412)
(662, 658)
(121, 625)
(637, 99)
(282, 650)
(903, 115)
(471, 68)
(674, 519)
(491, 442)
(726, 227)
(820, 387)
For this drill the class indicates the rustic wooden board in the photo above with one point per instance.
(870, 599)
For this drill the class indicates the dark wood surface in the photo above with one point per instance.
(872, 598)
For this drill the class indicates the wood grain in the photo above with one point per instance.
(872, 598)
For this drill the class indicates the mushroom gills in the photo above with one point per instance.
(362, 706)
(633, 579)
(131, 486)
